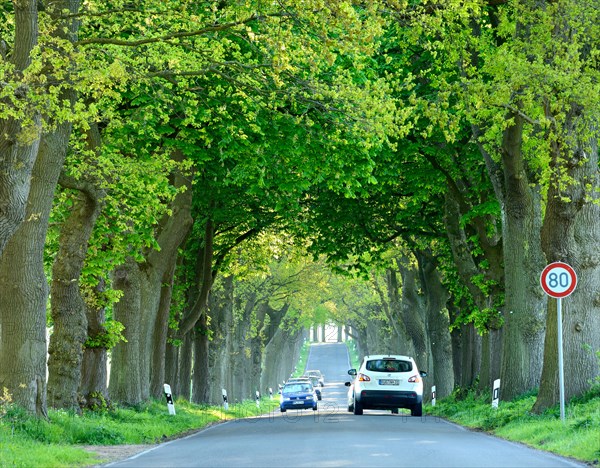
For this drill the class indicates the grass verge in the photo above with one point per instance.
(302, 360)
(353, 354)
(26, 441)
(578, 437)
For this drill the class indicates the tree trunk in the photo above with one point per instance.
(172, 231)
(23, 284)
(172, 368)
(491, 350)
(125, 376)
(161, 332)
(413, 312)
(68, 309)
(18, 143)
(94, 371)
(200, 374)
(441, 374)
(185, 367)
(571, 234)
(524, 316)
(471, 355)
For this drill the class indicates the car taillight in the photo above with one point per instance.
(364, 378)
(414, 379)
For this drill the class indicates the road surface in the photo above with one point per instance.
(333, 437)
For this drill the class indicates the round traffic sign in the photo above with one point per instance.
(558, 280)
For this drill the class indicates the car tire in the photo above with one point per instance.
(395, 411)
(417, 410)
(358, 409)
(282, 410)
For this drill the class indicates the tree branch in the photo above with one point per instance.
(177, 35)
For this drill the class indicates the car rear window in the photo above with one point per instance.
(389, 365)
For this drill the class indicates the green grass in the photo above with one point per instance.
(26, 441)
(577, 437)
(302, 359)
(353, 352)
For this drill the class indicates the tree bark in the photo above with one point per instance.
(524, 315)
(67, 308)
(571, 234)
(19, 144)
(28, 280)
(413, 311)
(438, 325)
(200, 373)
(185, 367)
(94, 371)
(145, 301)
(23, 284)
(125, 376)
(161, 333)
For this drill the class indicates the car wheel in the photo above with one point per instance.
(283, 410)
(395, 411)
(417, 410)
(358, 409)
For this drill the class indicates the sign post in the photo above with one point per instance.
(558, 280)
(433, 396)
(496, 393)
(225, 402)
(169, 397)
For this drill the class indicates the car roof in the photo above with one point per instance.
(387, 356)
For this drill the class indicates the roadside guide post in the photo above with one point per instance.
(169, 397)
(496, 393)
(558, 280)
(433, 396)
(257, 399)
(225, 403)
(270, 393)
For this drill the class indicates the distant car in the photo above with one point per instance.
(312, 381)
(386, 382)
(318, 374)
(297, 395)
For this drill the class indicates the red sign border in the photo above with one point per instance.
(567, 267)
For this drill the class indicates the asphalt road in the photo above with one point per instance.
(333, 437)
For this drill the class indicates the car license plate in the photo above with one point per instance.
(298, 402)
(389, 382)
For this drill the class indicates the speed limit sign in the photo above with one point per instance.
(558, 280)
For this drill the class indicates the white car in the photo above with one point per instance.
(318, 374)
(386, 382)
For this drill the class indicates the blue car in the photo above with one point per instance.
(297, 395)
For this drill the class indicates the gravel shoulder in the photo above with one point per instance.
(111, 453)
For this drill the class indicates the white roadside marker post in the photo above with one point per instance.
(433, 396)
(270, 393)
(169, 397)
(496, 393)
(257, 399)
(225, 403)
(558, 280)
